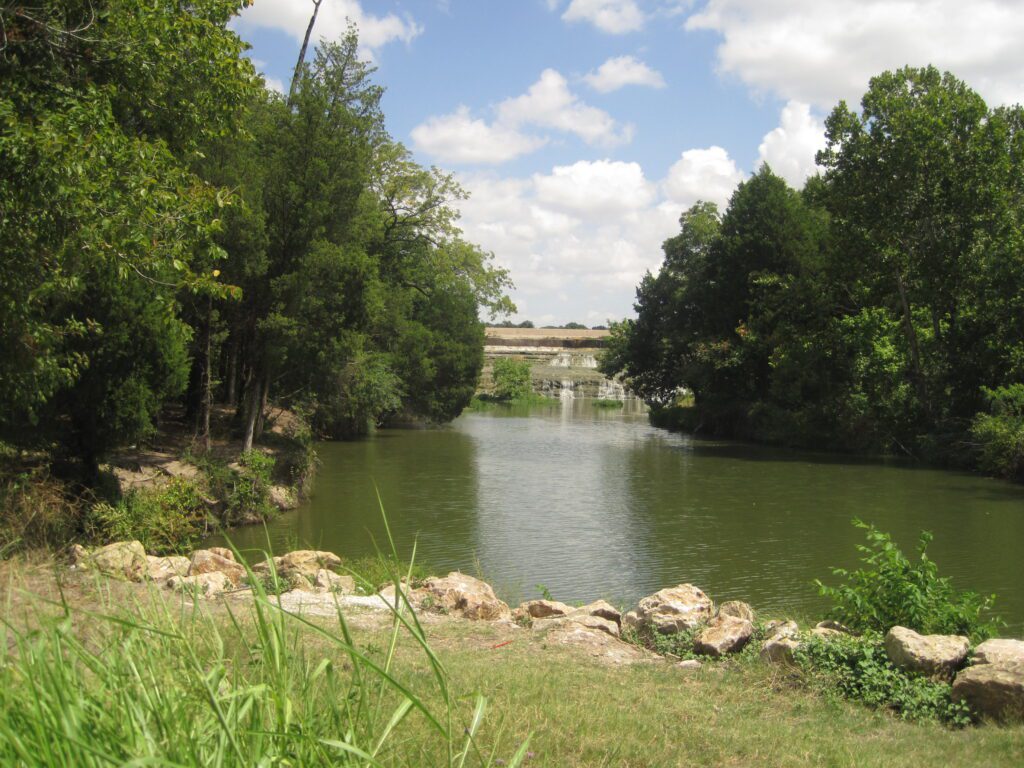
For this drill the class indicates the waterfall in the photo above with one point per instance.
(587, 361)
(561, 360)
(611, 390)
(566, 392)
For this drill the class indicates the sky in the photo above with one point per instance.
(583, 128)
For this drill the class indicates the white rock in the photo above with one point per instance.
(936, 655)
(999, 650)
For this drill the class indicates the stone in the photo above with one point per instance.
(595, 643)
(283, 497)
(264, 566)
(582, 619)
(827, 633)
(780, 629)
(834, 627)
(999, 650)
(632, 620)
(461, 595)
(544, 609)
(224, 552)
(994, 690)
(206, 584)
(306, 562)
(934, 655)
(780, 650)
(675, 609)
(725, 634)
(601, 608)
(77, 555)
(329, 581)
(161, 568)
(207, 561)
(737, 609)
(122, 559)
(689, 665)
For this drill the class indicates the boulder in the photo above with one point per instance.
(934, 655)
(601, 608)
(999, 650)
(224, 552)
(581, 619)
(207, 561)
(595, 643)
(689, 665)
(161, 568)
(725, 634)
(122, 560)
(671, 610)
(779, 629)
(461, 595)
(78, 555)
(737, 609)
(329, 581)
(306, 562)
(283, 497)
(780, 650)
(206, 584)
(993, 690)
(833, 626)
(543, 609)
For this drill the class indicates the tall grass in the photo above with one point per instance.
(170, 682)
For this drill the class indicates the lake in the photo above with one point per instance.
(589, 503)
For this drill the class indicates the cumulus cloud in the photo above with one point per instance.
(292, 17)
(702, 174)
(790, 148)
(549, 103)
(820, 51)
(615, 17)
(595, 189)
(459, 138)
(621, 71)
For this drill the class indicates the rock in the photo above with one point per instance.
(999, 650)
(582, 619)
(934, 655)
(834, 627)
(123, 560)
(828, 633)
(780, 629)
(462, 595)
(725, 634)
(780, 650)
(674, 609)
(595, 643)
(306, 562)
(206, 584)
(994, 690)
(161, 568)
(543, 609)
(283, 497)
(329, 581)
(601, 608)
(77, 555)
(224, 552)
(264, 567)
(689, 665)
(737, 609)
(207, 561)
(632, 620)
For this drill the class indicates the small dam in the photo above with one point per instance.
(563, 362)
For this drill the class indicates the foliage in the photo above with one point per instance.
(36, 510)
(891, 589)
(511, 379)
(999, 434)
(858, 668)
(166, 520)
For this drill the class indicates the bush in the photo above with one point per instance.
(891, 589)
(167, 520)
(245, 491)
(512, 379)
(999, 434)
(857, 668)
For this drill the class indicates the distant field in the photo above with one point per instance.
(543, 333)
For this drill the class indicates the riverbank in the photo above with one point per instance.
(276, 666)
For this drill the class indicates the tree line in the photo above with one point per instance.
(878, 309)
(175, 232)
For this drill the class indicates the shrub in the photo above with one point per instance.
(857, 668)
(167, 520)
(891, 589)
(245, 490)
(999, 434)
(512, 379)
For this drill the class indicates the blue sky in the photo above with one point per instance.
(583, 128)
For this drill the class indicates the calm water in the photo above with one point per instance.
(594, 503)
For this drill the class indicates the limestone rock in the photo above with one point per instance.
(936, 655)
(306, 562)
(632, 620)
(999, 650)
(601, 608)
(581, 619)
(283, 497)
(78, 555)
(689, 665)
(737, 609)
(207, 561)
(834, 627)
(725, 634)
(329, 581)
(264, 566)
(224, 552)
(462, 595)
(780, 650)
(543, 609)
(674, 609)
(206, 584)
(122, 559)
(780, 629)
(161, 568)
(595, 643)
(994, 690)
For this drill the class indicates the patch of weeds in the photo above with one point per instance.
(245, 491)
(167, 520)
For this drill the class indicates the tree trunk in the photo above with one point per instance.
(302, 53)
(232, 381)
(264, 393)
(207, 393)
(252, 407)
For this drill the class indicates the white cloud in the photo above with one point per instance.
(790, 148)
(549, 103)
(274, 84)
(459, 138)
(621, 71)
(702, 174)
(820, 51)
(613, 16)
(292, 17)
(595, 189)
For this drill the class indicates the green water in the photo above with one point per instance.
(596, 503)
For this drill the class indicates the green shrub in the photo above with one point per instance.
(167, 520)
(512, 379)
(245, 490)
(999, 434)
(857, 668)
(891, 589)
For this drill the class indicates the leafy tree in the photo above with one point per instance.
(512, 379)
